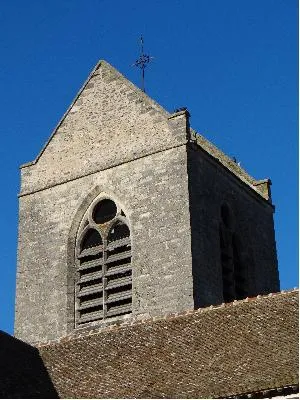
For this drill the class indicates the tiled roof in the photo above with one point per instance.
(244, 347)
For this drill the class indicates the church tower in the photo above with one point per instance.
(127, 211)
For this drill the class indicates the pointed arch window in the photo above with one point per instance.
(103, 264)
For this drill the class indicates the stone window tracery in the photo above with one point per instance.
(103, 264)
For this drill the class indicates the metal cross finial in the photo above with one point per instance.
(142, 62)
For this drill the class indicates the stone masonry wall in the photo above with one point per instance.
(210, 185)
(153, 191)
(114, 140)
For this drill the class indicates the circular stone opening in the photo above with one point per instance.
(104, 211)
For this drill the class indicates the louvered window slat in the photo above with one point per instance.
(119, 282)
(90, 290)
(91, 303)
(117, 257)
(118, 243)
(90, 277)
(119, 310)
(90, 264)
(119, 296)
(90, 251)
(118, 270)
(91, 316)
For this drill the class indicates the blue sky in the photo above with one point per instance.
(233, 63)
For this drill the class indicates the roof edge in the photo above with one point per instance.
(269, 393)
(30, 163)
(89, 331)
(233, 167)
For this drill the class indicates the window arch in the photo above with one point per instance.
(103, 264)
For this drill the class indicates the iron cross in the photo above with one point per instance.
(142, 62)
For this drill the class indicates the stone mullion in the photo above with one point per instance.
(104, 279)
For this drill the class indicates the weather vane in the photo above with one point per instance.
(142, 62)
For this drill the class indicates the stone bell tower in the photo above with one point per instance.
(127, 212)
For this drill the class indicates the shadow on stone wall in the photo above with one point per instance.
(22, 371)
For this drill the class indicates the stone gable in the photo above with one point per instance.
(109, 123)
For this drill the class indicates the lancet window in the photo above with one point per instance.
(103, 264)
(234, 272)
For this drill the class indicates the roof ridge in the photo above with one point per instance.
(168, 316)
